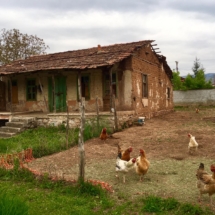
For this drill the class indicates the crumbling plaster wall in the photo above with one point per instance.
(71, 82)
(95, 90)
(145, 62)
(22, 104)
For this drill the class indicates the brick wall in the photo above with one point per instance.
(145, 62)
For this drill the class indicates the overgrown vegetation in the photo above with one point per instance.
(46, 141)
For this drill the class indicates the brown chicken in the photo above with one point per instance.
(103, 135)
(142, 164)
(197, 110)
(124, 154)
(205, 181)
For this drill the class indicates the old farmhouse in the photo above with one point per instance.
(134, 75)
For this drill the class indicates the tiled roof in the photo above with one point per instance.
(78, 59)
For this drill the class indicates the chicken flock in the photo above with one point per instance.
(124, 163)
(140, 165)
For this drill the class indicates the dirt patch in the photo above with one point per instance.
(165, 141)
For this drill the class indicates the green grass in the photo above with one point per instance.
(44, 196)
(10, 205)
(40, 195)
(46, 141)
(23, 193)
(193, 107)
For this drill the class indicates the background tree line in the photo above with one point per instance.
(16, 45)
(192, 82)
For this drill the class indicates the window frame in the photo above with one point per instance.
(168, 92)
(32, 88)
(84, 76)
(144, 86)
(106, 87)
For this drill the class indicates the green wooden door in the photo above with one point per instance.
(57, 99)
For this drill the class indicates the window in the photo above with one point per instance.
(85, 86)
(31, 90)
(145, 86)
(168, 93)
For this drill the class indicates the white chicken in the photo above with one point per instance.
(193, 145)
(124, 166)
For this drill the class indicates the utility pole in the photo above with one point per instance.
(176, 66)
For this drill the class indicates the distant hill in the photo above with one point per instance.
(209, 76)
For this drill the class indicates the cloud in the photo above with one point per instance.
(182, 29)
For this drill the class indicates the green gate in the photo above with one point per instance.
(57, 99)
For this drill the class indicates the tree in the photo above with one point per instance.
(197, 66)
(190, 82)
(15, 45)
(176, 80)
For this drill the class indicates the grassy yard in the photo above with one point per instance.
(23, 193)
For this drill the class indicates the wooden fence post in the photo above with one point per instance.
(81, 131)
(67, 126)
(81, 141)
(97, 112)
(115, 114)
(111, 89)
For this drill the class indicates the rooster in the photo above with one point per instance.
(124, 166)
(124, 154)
(142, 164)
(205, 181)
(193, 145)
(103, 136)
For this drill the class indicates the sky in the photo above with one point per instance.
(182, 29)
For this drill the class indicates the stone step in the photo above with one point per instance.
(10, 129)
(6, 134)
(26, 120)
(15, 124)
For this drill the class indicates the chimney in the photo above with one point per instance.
(99, 48)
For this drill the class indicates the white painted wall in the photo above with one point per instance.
(194, 97)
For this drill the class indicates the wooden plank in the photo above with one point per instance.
(41, 88)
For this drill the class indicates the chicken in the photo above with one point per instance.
(193, 145)
(124, 154)
(142, 164)
(205, 181)
(103, 135)
(197, 110)
(124, 166)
